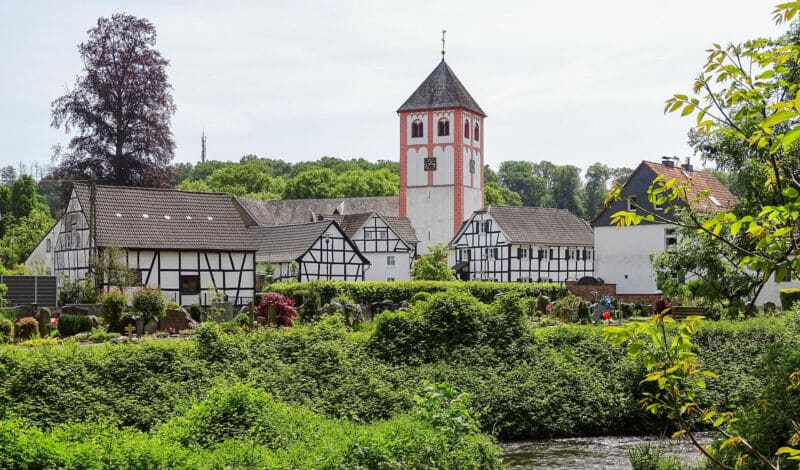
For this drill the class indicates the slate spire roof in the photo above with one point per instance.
(442, 89)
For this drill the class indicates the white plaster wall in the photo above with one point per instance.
(40, 256)
(417, 176)
(446, 139)
(466, 179)
(445, 162)
(622, 256)
(379, 270)
(771, 291)
(425, 130)
(431, 214)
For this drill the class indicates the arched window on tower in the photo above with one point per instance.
(477, 134)
(466, 129)
(444, 127)
(417, 129)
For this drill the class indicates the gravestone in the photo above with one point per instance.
(175, 320)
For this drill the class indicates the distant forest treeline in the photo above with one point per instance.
(516, 183)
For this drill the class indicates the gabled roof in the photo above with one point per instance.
(286, 243)
(719, 197)
(442, 89)
(174, 219)
(700, 181)
(537, 226)
(351, 223)
(299, 211)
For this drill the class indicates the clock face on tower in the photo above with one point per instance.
(430, 164)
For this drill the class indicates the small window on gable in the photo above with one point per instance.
(48, 245)
(632, 203)
(417, 129)
(444, 127)
(670, 238)
(487, 226)
(466, 130)
(477, 133)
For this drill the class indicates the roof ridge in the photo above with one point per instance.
(141, 188)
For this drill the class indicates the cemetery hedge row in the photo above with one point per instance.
(398, 291)
(238, 426)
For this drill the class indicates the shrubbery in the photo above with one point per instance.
(789, 297)
(26, 328)
(6, 331)
(149, 302)
(114, 304)
(370, 292)
(69, 325)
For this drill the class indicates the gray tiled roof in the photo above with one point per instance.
(299, 211)
(542, 226)
(284, 243)
(352, 222)
(175, 219)
(403, 228)
(442, 89)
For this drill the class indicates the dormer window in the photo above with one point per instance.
(466, 130)
(417, 129)
(444, 127)
(477, 133)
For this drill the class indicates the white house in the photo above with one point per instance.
(188, 244)
(309, 252)
(622, 255)
(40, 261)
(389, 243)
(523, 244)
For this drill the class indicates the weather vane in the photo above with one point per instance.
(443, 31)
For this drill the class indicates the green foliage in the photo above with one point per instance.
(22, 234)
(322, 292)
(89, 292)
(433, 266)
(69, 291)
(149, 302)
(23, 196)
(647, 457)
(789, 297)
(70, 325)
(571, 309)
(26, 328)
(243, 319)
(112, 269)
(6, 331)
(3, 293)
(100, 335)
(446, 409)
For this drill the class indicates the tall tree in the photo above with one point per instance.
(594, 192)
(7, 175)
(23, 196)
(121, 107)
(566, 188)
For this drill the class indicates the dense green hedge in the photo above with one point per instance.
(562, 381)
(374, 291)
(239, 426)
(789, 297)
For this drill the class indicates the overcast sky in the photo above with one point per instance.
(570, 82)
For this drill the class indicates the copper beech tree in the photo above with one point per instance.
(119, 109)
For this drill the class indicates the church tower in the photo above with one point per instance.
(441, 157)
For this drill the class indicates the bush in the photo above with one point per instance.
(100, 335)
(114, 303)
(70, 325)
(88, 291)
(173, 305)
(26, 328)
(277, 308)
(420, 297)
(149, 302)
(789, 297)
(647, 457)
(69, 292)
(6, 331)
(3, 293)
(243, 319)
(398, 291)
(571, 309)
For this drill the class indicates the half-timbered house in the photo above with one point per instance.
(523, 244)
(389, 243)
(188, 244)
(309, 252)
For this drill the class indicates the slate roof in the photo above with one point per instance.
(442, 89)
(351, 223)
(175, 219)
(299, 211)
(539, 226)
(284, 243)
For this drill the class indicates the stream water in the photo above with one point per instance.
(607, 453)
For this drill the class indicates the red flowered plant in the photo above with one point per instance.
(279, 306)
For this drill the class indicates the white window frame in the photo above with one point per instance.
(670, 233)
